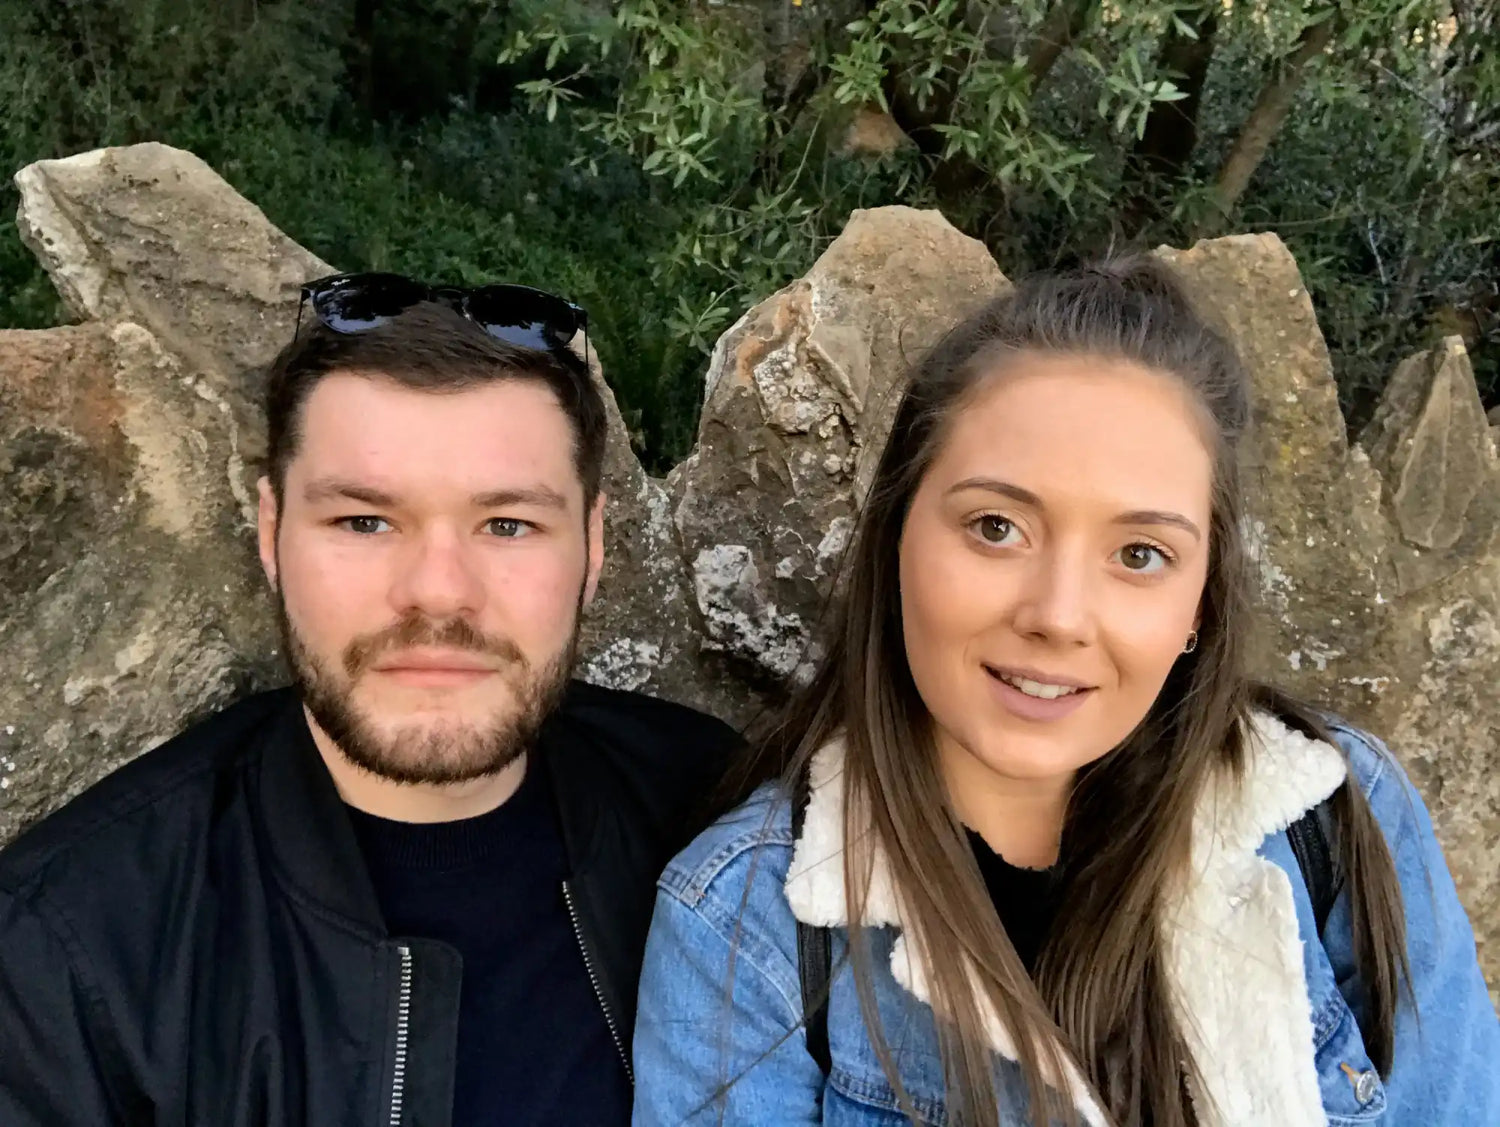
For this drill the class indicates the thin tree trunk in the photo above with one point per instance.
(1064, 23)
(1171, 135)
(1270, 110)
(362, 53)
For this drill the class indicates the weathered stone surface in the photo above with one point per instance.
(152, 233)
(1440, 712)
(1439, 649)
(799, 398)
(1312, 523)
(130, 599)
(873, 132)
(1428, 439)
(643, 631)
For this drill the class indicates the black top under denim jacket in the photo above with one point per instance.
(195, 940)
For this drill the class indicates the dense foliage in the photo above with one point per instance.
(667, 162)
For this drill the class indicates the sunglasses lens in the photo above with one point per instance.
(523, 316)
(355, 302)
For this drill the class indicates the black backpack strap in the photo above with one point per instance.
(814, 959)
(1309, 838)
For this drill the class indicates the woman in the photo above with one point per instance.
(1047, 812)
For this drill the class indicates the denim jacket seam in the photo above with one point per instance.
(1378, 753)
(881, 1095)
(691, 885)
(1327, 1020)
(1398, 829)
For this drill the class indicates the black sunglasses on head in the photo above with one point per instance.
(519, 315)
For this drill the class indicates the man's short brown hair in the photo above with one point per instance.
(429, 347)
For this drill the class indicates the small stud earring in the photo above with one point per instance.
(1192, 643)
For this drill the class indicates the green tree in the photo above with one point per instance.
(667, 162)
(380, 134)
(1362, 130)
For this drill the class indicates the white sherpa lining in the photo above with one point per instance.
(1233, 949)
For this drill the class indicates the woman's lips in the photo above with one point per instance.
(1024, 706)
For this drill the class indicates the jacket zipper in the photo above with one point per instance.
(588, 965)
(403, 1024)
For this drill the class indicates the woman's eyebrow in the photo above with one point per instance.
(1159, 516)
(1004, 488)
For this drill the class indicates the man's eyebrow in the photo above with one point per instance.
(332, 489)
(1027, 497)
(543, 496)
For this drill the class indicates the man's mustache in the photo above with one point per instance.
(419, 630)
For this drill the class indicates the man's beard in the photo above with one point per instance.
(414, 752)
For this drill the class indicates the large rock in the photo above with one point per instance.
(152, 233)
(643, 632)
(1438, 658)
(799, 397)
(1312, 525)
(130, 598)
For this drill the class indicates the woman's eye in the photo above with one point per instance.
(1142, 558)
(366, 526)
(507, 528)
(995, 530)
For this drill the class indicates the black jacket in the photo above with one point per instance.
(195, 942)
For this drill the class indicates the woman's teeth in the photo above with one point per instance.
(1038, 688)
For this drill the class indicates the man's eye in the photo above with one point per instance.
(366, 526)
(508, 528)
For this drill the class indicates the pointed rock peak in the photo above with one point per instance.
(1429, 441)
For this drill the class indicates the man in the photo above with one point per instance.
(415, 887)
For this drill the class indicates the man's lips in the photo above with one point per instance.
(436, 663)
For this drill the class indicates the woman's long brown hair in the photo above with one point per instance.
(1100, 997)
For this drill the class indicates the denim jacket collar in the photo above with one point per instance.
(1234, 955)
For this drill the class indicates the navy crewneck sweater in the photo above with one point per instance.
(534, 1049)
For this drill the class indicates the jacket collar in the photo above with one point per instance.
(1232, 944)
(307, 828)
(622, 769)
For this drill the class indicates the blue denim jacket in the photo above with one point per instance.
(719, 1039)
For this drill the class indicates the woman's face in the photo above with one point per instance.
(1052, 564)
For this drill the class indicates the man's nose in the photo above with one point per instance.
(437, 577)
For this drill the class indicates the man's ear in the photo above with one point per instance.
(266, 515)
(596, 549)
